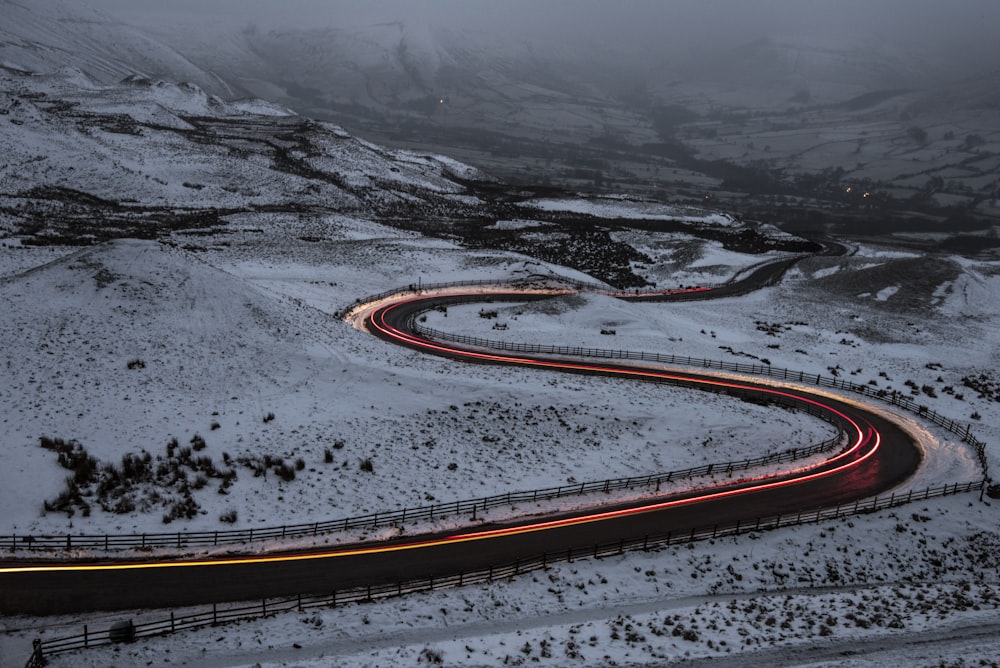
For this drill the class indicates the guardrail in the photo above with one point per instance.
(534, 279)
(430, 512)
(514, 282)
(127, 631)
(894, 398)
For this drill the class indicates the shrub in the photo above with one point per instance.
(125, 504)
(300, 464)
(198, 442)
(367, 466)
(229, 517)
(72, 456)
(328, 456)
(285, 472)
(136, 364)
(431, 656)
(268, 417)
(186, 508)
(204, 463)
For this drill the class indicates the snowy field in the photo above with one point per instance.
(246, 328)
(220, 351)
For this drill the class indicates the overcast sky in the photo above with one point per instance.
(966, 28)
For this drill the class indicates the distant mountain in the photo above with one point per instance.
(774, 72)
(784, 111)
(978, 94)
(393, 73)
(48, 36)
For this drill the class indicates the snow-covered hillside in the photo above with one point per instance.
(127, 346)
(234, 333)
(142, 151)
(49, 35)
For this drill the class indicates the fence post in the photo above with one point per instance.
(86, 636)
(215, 615)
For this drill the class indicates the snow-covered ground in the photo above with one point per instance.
(150, 143)
(219, 351)
(246, 328)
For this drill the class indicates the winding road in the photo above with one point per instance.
(878, 455)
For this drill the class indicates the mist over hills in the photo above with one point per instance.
(803, 115)
(783, 126)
